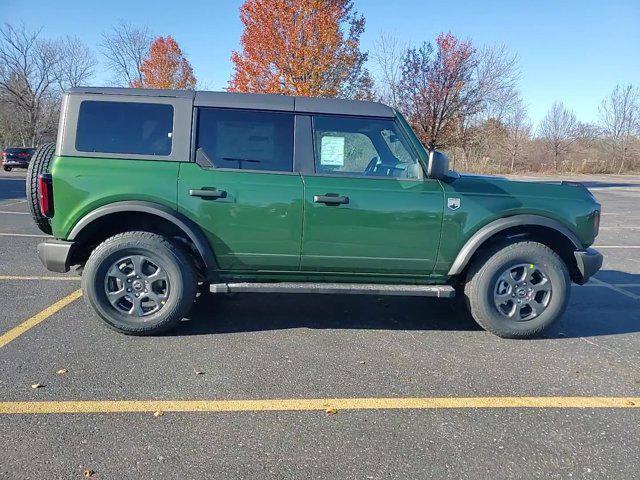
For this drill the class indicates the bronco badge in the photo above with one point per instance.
(453, 203)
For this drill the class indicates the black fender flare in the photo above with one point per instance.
(189, 227)
(489, 230)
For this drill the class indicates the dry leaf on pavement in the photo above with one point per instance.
(37, 385)
(87, 472)
(158, 413)
(62, 371)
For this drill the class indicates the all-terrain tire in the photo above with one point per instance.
(487, 269)
(40, 162)
(174, 262)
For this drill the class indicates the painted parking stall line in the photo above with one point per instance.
(37, 278)
(315, 404)
(38, 318)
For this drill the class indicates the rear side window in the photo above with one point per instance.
(246, 140)
(125, 128)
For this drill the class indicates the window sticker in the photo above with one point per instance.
(332, 151)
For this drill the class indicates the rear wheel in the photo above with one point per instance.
(139, 283)
(39, 164)
(6, 169)
(517, 290)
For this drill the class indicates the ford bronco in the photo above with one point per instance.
(157, 194)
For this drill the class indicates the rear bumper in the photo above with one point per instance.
(16, 163)
(55, 255)
(588, 262)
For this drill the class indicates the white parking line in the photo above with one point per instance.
(15, 213)
(12, 203)
(615, 289)
(620, 227)
(616, 246)
(24, 235)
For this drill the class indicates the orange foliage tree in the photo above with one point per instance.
(165, 67)
(301, 47)
(438, 89)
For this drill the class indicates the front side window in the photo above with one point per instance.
(246, 140)
(363, 147)
(124, 128)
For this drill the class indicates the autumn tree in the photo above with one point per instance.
(165, 67)
(302, 47)
(433, 88)
(560, 130)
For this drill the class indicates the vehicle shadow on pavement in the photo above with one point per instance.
(593, 311)
(214, 314)
(598, 310)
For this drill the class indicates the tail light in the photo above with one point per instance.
(23, 155)
(45, 184)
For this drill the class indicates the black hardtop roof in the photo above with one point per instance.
(254, 101)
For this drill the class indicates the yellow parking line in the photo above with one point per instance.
(38, 318)
(419, 403)
(19, 277)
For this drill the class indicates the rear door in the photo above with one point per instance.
(242, 190)
(368, 207)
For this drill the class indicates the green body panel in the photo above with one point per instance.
(269, 228)
(389, 227)
(80, 185)
(486, 199)
(258, 226)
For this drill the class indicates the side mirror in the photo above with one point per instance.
(438, 165)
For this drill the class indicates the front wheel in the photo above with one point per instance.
(6, 169)
(139, 283)
(517, 290)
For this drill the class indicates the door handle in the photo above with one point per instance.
(331, 199)
(214, 194)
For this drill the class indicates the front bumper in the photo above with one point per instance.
(55, 255)
(588, 261)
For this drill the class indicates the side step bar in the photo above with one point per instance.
(440, 291)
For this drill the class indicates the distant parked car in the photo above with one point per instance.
(16, 157)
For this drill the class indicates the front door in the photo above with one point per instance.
(368, 207)
(244, 193)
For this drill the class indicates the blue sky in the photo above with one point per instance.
(574, 51)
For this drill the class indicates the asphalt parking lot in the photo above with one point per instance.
(241, 390)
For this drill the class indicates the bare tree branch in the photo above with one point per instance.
(124, 47)
(560, 130)
(620, 120)
(387, 56)
(77, 63)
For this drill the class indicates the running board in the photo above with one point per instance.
(440, 291)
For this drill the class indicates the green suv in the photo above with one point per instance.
(159, 194)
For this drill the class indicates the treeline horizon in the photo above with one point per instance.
(458, 97)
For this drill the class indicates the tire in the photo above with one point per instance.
(495, 286)
(99, 278)
(40, 162)
(6, 169)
